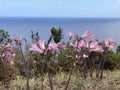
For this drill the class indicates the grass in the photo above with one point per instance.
(110, 81)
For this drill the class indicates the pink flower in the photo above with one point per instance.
(8, 47)
(2, 55)
(88, 35)
(79, 45)
(74, 45)
(41, 44)
(35, 48)
(69, 34)
(61, 46)
(9, 56)
(93, 44)
(82, 43)
(38, 47)
(17, 40)
(110, 43)
(52, 46)
(95, 47)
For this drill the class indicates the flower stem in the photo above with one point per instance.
(69, 77)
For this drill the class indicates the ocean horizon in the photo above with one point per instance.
(103, 28)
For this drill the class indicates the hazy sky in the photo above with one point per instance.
(60, 8)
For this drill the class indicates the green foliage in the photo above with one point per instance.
(79, 85)
(112, 60)
(117, 61)
(4, 37)
(110, 82)
(36, 62)
(118, 49)
(57, 34)
(20, 83)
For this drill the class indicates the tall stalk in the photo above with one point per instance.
(77, 39)
(27, 74)
(42, 72)
(48, 70)
(50, 78)
(99, 72)
(69, 77)
(102, 66)
(26, 66)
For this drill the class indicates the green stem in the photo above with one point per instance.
(25, 64)
(42, 74)
(69, 77)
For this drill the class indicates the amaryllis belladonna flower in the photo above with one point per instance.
(61, 46)
(38, 47)
(35, 48)
(8, 52)
(17, 40)
(110, 43)
(69, 34)
(94, 46)
(88, 35)
(79, 45)
(52, 46)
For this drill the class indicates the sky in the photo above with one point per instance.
(60, 8)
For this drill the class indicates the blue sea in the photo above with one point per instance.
(102, 27)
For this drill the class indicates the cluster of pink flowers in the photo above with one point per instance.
(7, 53)
(40, 46)
(110, 43)
(17, 40)
(87, 40)
(88, 35)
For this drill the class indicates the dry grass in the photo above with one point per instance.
(110, 81)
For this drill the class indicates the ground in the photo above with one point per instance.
(110, 81)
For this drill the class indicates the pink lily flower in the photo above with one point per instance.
(95, 47)
(110, 43)
(82, 43)
(35, 48)
(73, 44)
(79, 44)
(17, 40)
(61, 46)
(2, 56)
(38, 47)
(9, 56)
(52, 46)
(93, 44)
(41, 44)
(8, 47)
(88, 35)
(69, 34)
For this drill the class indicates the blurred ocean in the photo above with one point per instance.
(102, 27)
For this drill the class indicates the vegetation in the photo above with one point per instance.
(111, 81)
(54, 65)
